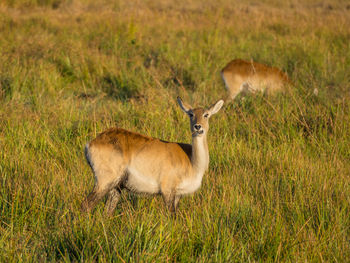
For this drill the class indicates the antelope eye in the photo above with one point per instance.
(190, 114)
(206, 115)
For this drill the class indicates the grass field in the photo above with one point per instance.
(278, 184)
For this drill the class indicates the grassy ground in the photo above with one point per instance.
(278, 186)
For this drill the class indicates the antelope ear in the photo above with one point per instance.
(184, 106)
(215, 107)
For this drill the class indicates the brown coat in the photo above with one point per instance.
(241, 76)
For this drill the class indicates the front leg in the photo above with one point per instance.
(169, 200)
(176, 201)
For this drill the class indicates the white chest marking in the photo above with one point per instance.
(190, 185)
(200, 164)
(138, 182)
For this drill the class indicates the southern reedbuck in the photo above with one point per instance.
(122, 159)
(241, 76)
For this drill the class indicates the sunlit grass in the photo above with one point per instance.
(278, 186)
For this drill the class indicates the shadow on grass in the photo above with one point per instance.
(117, 88)
(180, 77)
(6, 89)
(72, 246)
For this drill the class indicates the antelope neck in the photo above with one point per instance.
(200, 154)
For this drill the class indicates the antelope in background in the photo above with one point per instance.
(122, 159)
(241, 76)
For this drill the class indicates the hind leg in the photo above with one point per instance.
(233, 85)
(106, 182)
(108, 167)
(93, 198)
(112, 201)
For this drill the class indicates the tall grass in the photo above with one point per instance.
(278, 186)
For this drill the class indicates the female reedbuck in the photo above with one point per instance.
(124, 159)
(242, 76)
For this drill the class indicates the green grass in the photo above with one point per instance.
(278, 185)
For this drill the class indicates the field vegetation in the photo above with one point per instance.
(278, 185)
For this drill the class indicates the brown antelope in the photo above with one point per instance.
(241, 76)
(122, 159)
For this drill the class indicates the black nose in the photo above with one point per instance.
(197, 127)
